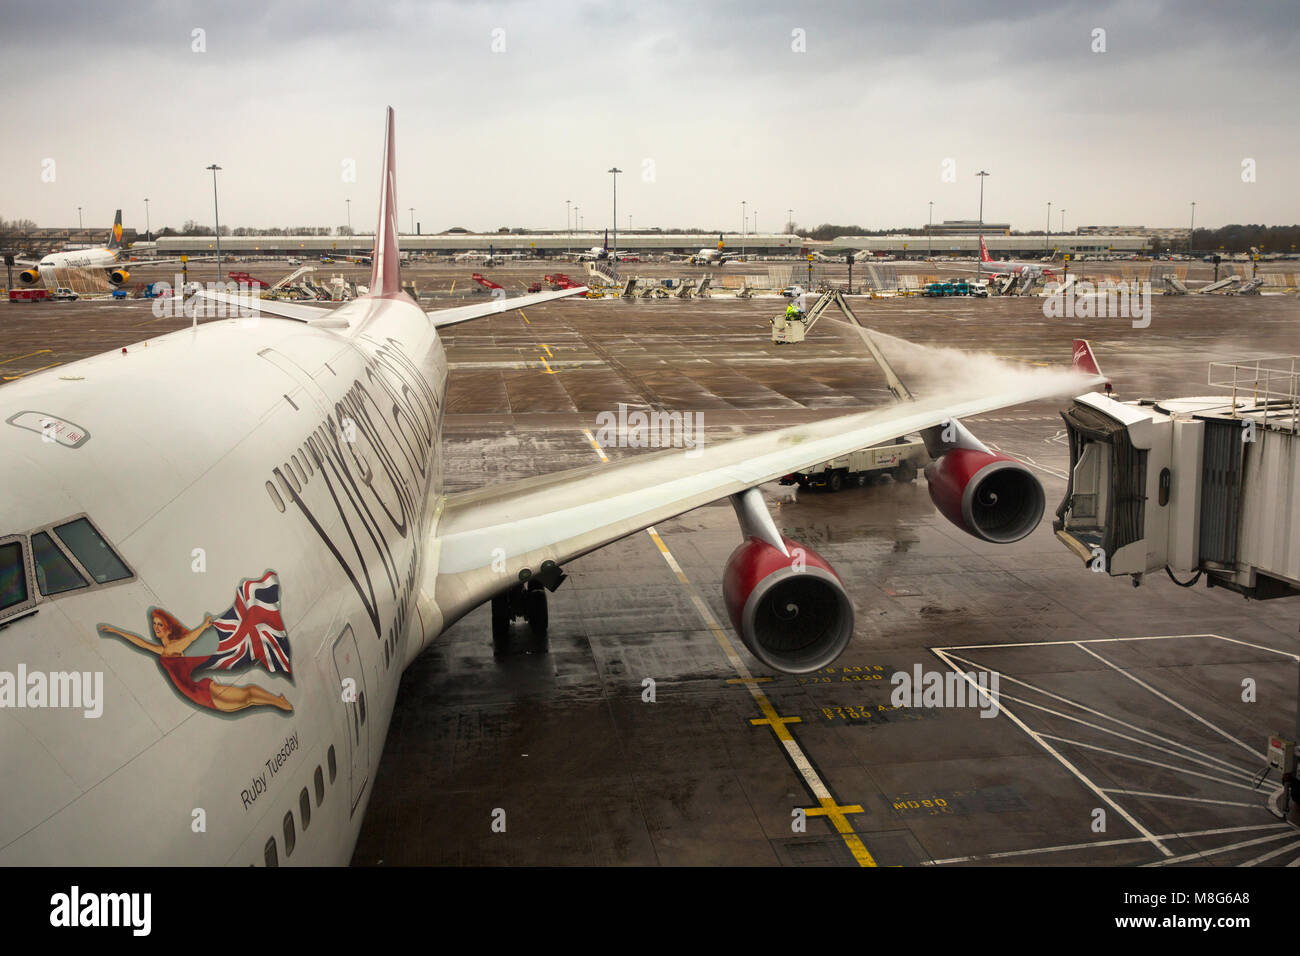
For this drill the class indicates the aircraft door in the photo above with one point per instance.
(351, 674)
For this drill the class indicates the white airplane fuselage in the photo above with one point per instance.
(1008, 267)
(323, 465)
(99, 258)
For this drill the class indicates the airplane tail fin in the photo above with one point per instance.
(385, 279)
(719, 241)
(984, 250)
(1086, 362)
(115, 234)
(606, 246)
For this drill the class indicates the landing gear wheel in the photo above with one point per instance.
(536, 612)
(836, 481)
(861, 479)
(500, 624)
(905, 472)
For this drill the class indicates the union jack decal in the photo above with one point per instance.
(252, 631)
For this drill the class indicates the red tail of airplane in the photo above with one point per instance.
(385, 280)
(984, 251)
(1085, 361)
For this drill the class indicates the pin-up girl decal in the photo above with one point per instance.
(251, 633)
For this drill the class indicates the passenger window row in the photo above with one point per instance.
(59, 558)
(293, 476)
(271, 851)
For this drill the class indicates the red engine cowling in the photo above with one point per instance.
(118, 276)
(991, 496)
(790, 609)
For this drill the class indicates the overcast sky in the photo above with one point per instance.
(505, 110)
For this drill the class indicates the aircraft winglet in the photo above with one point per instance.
(1086, 362)
(385, 279)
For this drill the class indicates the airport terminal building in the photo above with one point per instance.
(1000, 244)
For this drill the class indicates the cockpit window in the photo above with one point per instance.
(54, 572)
(13, 579)
(92, 551)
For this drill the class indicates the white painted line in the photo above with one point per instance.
(1065, 847)
(1170, 796)
(1224, 849)
(1272, 853)
(1244, 772)
(1154, 763)
(1259, 647)
(1120, 640)
(1190, 713)
(1038, 738)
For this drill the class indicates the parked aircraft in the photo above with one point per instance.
(106, 258)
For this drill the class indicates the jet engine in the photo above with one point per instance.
(29, 276)
(118, 276)
(989, 495)
(790, 608)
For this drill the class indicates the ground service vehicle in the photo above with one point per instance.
(900, 459)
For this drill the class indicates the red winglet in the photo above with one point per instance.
(1085, 361)
(385, 279)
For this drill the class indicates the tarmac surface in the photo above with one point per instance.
(644, 733)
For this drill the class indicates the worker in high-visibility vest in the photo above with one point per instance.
(791, 312)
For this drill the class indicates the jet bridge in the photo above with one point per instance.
(1201, 486)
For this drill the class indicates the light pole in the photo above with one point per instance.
(742, 229)
(568, 230)
(216, 217)
(614, 171)
(1047, 243)
(1191, 230)
(349, 204)
(79, 225)
(1062, 222)
(929, 239)
(148, 233)
(980, 261)
(789, 218)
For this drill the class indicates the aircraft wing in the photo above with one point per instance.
(302, 312)
(562, 516)
(464, 313)
(299, 311)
